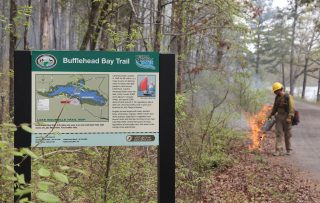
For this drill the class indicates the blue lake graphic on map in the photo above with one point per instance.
(78, 91)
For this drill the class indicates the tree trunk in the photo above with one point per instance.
(26, 29)
(67, 28)
(219, 49)
(44, 29)
(152, 6)
(304, 78)
(157, 33)
(101, 22)
(13, 41)
(116, 19)
(106, 176)
(283, 75)
(91, 24)
(128, 40)
(306, 64)
(295, 17)
(73, 36)
(318, 93)
(179, 49)
(173, 37)
(258, 49)
(104, 38)
(55, 24)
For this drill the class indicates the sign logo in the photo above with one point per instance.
(46, 61)
(145, 62)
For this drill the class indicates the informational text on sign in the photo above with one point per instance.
(94, 98)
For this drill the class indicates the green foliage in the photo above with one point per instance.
(132, 178)
(249, 98)
(202, 145)
(44, 172)
(61, 177)
(180, 114)
(47, 197)
(219, 160)
(7, 173)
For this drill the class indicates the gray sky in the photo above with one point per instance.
(280, 3)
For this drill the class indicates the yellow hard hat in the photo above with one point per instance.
(276, 86)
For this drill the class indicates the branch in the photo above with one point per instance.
(317, 62)
(312, 76)
(60, 151)
(211, 116)
(309, 71)
(133, 9)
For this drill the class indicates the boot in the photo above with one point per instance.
(276, 153)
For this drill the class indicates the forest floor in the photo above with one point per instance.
(257, 176)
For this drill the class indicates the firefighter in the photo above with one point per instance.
(283, 110)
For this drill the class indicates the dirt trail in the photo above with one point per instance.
(306, 139)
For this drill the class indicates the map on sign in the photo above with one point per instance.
(83, 97)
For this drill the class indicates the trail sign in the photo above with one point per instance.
(91, 98)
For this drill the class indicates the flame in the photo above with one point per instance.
(256, 122)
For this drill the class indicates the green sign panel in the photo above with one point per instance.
(91, 98)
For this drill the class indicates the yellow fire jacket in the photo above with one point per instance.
(283, 104)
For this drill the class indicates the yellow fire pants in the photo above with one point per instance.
(283, 130)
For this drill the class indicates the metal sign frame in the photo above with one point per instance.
(166, 148)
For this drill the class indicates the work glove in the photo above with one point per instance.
(289, 121)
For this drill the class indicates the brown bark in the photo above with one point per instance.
(179, 50)
(306, 66)
(318, 93)
(26, 29)
(44, 29)
(95, 5)
(13, 42)
(157, 33)
(106, 176)
(258, 46)
(128, 40)
(295, 17)
(101, 22)
(283, 75)
(219, 47)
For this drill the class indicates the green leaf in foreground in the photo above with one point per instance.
(3, 144)
(44, 186)
(61, 177)
(25, 127)
(29, 152)
(43, 172)
(21, 179)
(24, 200)
(21, 192)
(47, 197)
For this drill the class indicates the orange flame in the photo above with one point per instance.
(256, 122)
